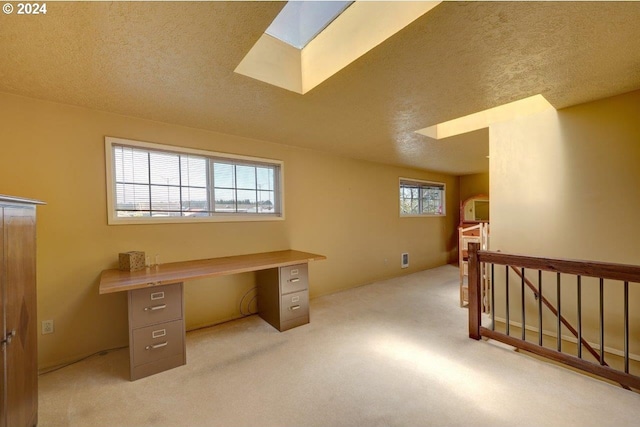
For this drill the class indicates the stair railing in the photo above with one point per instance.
(603, 271)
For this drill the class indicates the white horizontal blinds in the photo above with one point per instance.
(241, 187)
(421, 198)
(266, 189)
(194, 177)
(156, 183)
(164, 174)
(132, 181)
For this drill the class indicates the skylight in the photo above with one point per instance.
(310, 41)
(483, 119)
(300, 21)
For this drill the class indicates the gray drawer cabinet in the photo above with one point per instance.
(156, 330)
(156, 307)
(283, 296)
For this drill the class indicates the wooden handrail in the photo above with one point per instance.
(611, 271)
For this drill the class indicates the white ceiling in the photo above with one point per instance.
(174, 62)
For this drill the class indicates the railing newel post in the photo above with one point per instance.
(474, 284)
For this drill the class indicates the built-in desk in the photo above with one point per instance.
(156, 303)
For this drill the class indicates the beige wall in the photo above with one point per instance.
(564, 184)
(472, 185)
(342, 208)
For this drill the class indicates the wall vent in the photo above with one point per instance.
(405, 260)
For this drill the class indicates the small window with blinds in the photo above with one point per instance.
(157, 183)
(421, 198)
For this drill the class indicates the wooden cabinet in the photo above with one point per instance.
(19, 354)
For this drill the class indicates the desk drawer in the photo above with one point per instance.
(294, 305)
(155, 305)
(157, 342)
(294, 278)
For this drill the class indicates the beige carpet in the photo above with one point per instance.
(393, 353)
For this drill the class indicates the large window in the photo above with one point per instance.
(156, 183)
(421, 198)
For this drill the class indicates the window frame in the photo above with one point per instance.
(422, 183)
(113, 219)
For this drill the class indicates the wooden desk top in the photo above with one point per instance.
(117, 280)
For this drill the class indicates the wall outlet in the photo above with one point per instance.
(405, 260)
(47, 327)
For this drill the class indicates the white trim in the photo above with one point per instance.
(112, 219)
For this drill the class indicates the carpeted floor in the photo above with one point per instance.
(393, 353)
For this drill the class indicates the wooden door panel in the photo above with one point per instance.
(21, 315)
(3, 366)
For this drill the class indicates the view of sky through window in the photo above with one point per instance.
(299, 22)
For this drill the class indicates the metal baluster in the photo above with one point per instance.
(580, 317)
(493, 311)
(540, 308)
(601, 321)
(524, 323)
(507, 293)
(626, 327)
(558, 324)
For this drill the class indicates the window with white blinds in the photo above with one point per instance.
(419, 198)
(157, 183)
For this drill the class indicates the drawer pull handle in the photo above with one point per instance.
(297, 279)
(156, 307)
(154, 346)
(10, 336)
(153, 283)
(294, 307)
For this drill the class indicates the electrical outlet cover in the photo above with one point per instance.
(47, 327)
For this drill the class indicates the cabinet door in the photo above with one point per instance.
(21, 316)
(3, 365)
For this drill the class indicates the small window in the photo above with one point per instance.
(421, 198)
(157, 183)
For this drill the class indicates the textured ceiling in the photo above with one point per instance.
(174, 62)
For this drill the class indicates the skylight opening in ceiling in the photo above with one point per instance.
(299, 22)
(301, 58)
(485, 118)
